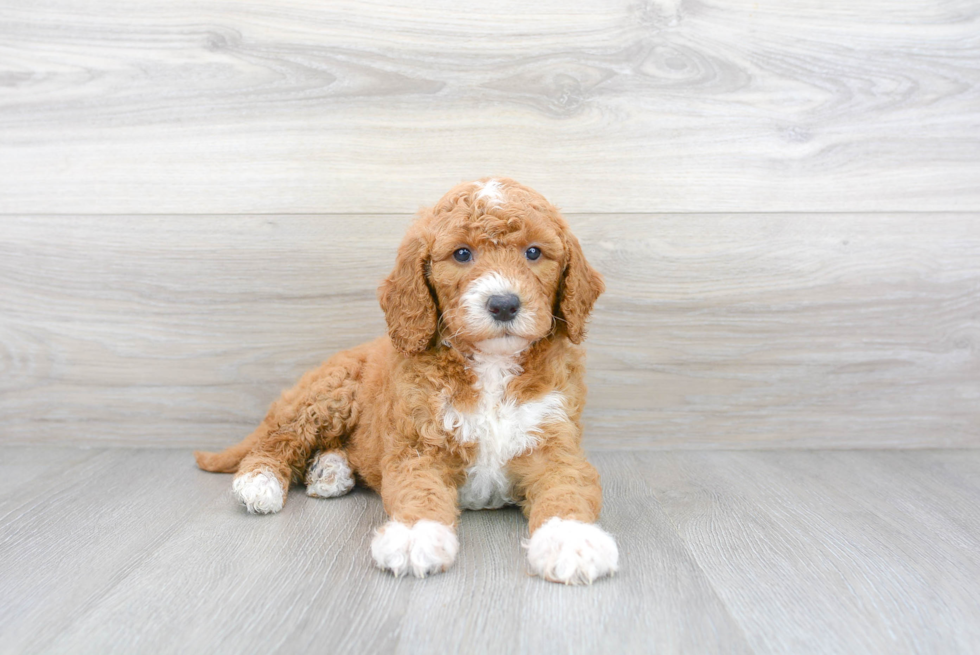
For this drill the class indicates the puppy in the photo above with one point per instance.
(472, 401)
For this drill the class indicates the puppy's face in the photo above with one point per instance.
(495, 278)
(491, 267)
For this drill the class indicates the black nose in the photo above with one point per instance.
(504, 307)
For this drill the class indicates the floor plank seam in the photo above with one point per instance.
(692, 556)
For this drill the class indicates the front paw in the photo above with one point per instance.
(563, 550)
(426, 547)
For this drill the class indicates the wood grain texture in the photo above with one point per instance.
(742, 331)
(664, 105)
(722, 552)
(833, 552)
(842, 331)
(94, 520)
(223, 581)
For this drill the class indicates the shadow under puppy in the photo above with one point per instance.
(472, 401)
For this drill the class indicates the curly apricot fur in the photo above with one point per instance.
(383, 402)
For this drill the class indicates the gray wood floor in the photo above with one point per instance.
(117, 550)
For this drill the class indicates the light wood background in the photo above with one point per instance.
(228, 106)
(197, 201)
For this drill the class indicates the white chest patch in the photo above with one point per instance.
(502, 428)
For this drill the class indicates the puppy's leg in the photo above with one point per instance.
(316, 413)
(420, 499)
(562, 498)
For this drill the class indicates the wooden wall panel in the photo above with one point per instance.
(716, 331)
(605, 106)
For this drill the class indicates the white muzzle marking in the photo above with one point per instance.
(478, 317)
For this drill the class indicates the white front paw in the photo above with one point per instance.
(260, 491)
(568, 551)
(426, 547)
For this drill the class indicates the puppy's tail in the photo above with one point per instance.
(227, 460)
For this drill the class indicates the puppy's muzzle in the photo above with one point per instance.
(504, 307)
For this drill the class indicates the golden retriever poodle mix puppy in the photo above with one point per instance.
(472, 401)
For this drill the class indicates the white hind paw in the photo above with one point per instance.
(260, 491)
(329, 475)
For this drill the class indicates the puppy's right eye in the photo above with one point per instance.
(463, 255)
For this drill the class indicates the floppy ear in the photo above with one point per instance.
(406, 298)
(580, 286)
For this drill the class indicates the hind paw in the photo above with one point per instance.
(329, 475)
(260, 491)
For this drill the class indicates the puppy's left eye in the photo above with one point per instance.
(532, 253)
(463, 255)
